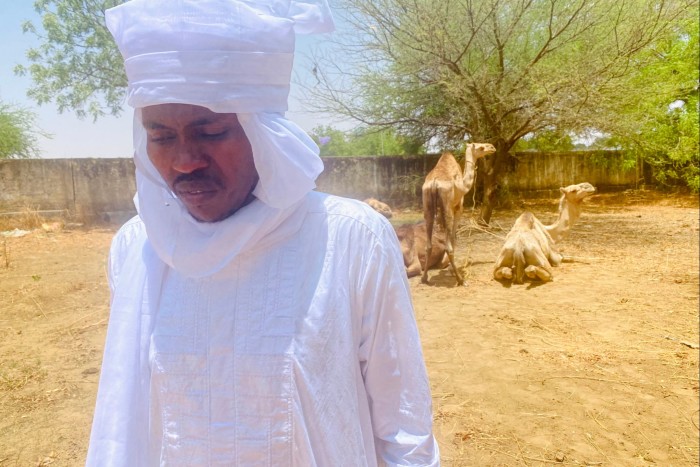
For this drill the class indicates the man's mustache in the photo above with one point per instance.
(197, 179)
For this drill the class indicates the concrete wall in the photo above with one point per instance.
(90, 189)
(395, 180)
(85, 188)
(533, 172)
(398, 180)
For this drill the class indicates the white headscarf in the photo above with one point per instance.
(231, 56)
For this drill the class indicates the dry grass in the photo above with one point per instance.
(15, 375)
(27, 218)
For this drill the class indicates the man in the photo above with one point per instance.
(253, 320)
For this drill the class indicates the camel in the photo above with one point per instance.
(530, 248)
(413, 238)
(443, 196)
(381, 208)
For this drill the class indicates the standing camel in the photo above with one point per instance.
(443, 196)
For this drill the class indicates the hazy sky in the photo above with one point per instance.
(72, 137)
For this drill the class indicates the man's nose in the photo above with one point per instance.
(188, 158)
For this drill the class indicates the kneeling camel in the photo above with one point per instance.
(530, 248)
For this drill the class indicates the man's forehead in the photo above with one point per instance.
(161, 115)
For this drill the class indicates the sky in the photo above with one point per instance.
(73, 137)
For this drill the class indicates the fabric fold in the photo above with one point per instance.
(125, 376)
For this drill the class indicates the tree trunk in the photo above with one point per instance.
(493, 166)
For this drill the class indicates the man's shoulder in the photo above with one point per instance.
(127, 238)
(133, 226)
(130, 232)
(348, 211)
(334, 205)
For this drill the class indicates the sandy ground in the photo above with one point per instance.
(599, 367)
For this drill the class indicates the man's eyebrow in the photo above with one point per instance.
(203, 121)
(150, 125)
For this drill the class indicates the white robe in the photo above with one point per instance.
(301, 352)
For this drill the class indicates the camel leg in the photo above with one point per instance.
(455, 227)
(538, 265)
(555, 258)
(537, 272)
(503, 274)
(502, 270)
(449, 245)
(429, 217)
(412, 262)
(413, 269)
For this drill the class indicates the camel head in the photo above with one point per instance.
(576, 193)
(479, 150)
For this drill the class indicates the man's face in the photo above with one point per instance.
(204, 157)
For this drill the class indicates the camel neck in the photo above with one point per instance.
(469, 170)
(568, 215)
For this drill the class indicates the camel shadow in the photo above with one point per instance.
(534, 284)
(529, 284)
(443, 278)
(505, 284)
(571, 259)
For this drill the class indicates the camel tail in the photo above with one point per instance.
(519, 264)
(435, 205)
(431, 199)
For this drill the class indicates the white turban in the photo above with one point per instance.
(231, 56)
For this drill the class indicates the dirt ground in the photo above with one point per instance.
(598, 368)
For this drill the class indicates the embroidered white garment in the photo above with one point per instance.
(301, 353)
(281, 336)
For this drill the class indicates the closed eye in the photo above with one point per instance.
(161, 138)
(215, 135)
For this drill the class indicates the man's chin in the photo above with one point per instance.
(212, 218)
(205, 218)
(209, 216)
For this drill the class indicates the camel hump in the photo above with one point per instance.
(526, 220)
